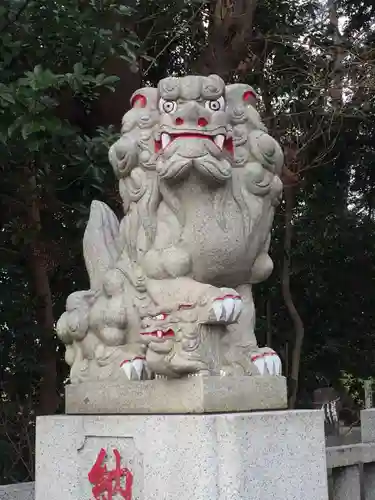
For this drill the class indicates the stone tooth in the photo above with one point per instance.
(219, 141)
(165, 140)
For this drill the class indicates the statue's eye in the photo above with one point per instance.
(217, 105)
(160, 317)
(183, 307)
(167, 106)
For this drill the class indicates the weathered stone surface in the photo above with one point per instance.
(171, 283)
(20, 491)
(368, 436)
(187, 395)
(368, 425)
(348, 455)
(253, 456)
(346, 483)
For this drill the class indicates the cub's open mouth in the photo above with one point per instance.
(220, 140)
(159, 334)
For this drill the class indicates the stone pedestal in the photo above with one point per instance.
(186, 395)
(232, 456)
(20, 491)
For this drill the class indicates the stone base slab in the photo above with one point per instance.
(19, 491)
(188, 395)
(240, 456)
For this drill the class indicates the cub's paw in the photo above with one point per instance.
(136, 368)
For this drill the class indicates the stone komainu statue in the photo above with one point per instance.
(171, 283)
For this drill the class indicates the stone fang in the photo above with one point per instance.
(165, 140)
(219, 141)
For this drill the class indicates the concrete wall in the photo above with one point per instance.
(20, 491)
(347, 436)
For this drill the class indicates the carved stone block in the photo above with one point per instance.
(171, 282)
(242, 456)
(185, 395)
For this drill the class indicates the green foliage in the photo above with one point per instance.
(53, 56)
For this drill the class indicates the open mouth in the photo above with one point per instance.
(219, 140)
(159, 334)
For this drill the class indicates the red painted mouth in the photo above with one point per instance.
(160, 334)
(228, 145)
(219, 140)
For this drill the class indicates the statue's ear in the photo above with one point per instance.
(250, 97)
(142, 98)
(240, 93)
(138, 100)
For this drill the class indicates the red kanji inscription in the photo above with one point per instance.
(107, 484)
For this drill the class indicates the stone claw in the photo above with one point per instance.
(226, 309)
(200, 373)
(267, 362)
(136, 368)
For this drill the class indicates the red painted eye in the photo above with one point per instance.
(249, 95)
(179, 121)
(138, 101)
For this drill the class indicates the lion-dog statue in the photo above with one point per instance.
(171, 283)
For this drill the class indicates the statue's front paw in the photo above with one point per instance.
(136, 368)
(267, 362)
(225, 309)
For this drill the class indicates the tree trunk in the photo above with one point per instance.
(338, 55)
(269, 323)
(230, 32)
(48, 397)
(288, 299)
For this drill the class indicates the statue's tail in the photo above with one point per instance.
(100, 242)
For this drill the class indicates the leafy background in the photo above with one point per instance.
(67, 70)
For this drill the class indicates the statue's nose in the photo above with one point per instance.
(193, 115)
